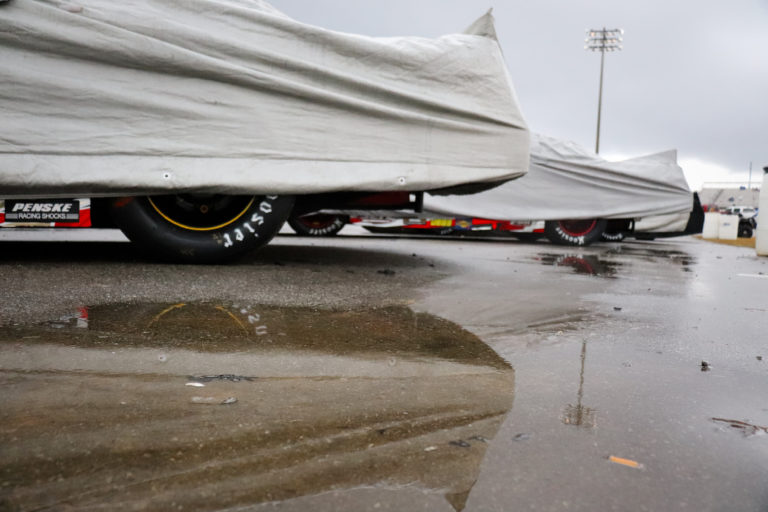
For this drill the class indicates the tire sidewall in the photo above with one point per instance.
(252, 229)
(612, 237)
(556, 234)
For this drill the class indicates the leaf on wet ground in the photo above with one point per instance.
(625, 462)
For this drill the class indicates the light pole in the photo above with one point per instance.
(602, 40)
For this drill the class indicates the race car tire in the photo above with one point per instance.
(574, 232)
(616, 230)
(196, 228)
(318, 224)
(612, 237)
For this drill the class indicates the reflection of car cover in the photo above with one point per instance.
(566, 181)
(105, 97)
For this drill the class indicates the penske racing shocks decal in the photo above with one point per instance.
(58, 213)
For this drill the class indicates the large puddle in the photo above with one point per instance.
(212, 406)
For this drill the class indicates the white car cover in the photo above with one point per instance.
(105, 97)
(565, 181)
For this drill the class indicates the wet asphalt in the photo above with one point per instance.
(378, 373)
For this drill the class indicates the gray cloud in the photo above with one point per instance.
(693, 74)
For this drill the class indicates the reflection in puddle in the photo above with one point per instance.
(207, 406)
(587, 264)
(606, 265)
(653, 255)
(580, 415)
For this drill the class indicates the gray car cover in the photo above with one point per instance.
(566, 181)
(105, 97)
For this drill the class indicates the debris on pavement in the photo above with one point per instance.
(204, 400)
(523, 436)
(461, 443)
(212, 400)
(625, 462)
(705, 366)
(616, 308)
(195, 384)
(386, 272)
(747, 429)
(430, 448)
(759, 358)
(226, 376)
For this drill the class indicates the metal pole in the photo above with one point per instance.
(600, 101)
(602, 40)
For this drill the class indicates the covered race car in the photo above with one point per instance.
(572, 196)
(197, 126)
(582, 197)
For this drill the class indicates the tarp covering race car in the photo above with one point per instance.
(565, 181)
(231, 96)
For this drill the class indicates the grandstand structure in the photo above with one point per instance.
(724, 194)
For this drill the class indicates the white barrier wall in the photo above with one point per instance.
(711, 225)
(728, 228)
(761, 244)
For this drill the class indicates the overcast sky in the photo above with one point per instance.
(693, 74)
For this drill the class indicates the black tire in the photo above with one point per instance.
(616, 230)
(745, 230)
(574, 232)
(318, 224)
(198, 228)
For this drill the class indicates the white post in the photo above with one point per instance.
(761, 243)
(711, 225)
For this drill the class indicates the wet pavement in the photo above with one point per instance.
(376, 373)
